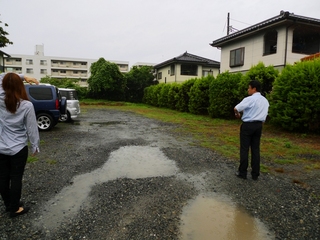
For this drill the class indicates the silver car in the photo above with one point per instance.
(73, 106)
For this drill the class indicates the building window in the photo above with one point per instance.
(237, 57)
(29, 70)
(270, 42)
(55, 70)
(207, 73)
(29, 61)
(63, 71)
(159, 75)
(305, 40)
(172, 69)
(43, 62)
(189, 69)
(43, 71)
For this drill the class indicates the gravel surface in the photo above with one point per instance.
(79, 167)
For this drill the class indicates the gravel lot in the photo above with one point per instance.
(79, 167)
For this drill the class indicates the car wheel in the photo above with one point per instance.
(65, 117)
(45, 121)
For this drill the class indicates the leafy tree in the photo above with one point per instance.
(224, 95)
(66, 83)
(137, 79)
(295, 98)
(106, 81)
(4, 41)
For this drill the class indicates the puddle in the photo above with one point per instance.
(97, 123)
(127, 162)
(211, 217)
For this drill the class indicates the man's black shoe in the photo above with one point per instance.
(240, 176)
(254, 178)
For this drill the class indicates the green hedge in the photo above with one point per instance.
(295, 99)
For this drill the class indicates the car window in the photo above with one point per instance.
(70, 95)
(41, 93)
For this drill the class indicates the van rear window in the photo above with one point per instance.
(70, 95)
(41, 93)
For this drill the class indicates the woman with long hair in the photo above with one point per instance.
(17, 125)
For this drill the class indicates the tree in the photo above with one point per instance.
(106, 81)
(4, 41)
(137, 79)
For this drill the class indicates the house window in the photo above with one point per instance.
(172, 69)
(305, 40)
(29, 61)
(189, 69)
(43, 71)
(270, 42)
(207, 73)
(237, 57)
(29, 70)
(43, 62)
(159, 75)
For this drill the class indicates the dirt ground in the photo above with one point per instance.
(118, 175)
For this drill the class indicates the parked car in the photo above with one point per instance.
(73, 106)
(48, 104)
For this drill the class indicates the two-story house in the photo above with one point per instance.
(281, 40)
(184, 67)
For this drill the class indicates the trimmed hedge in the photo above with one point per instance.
(224, 95)
(295, 99)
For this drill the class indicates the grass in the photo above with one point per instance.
(278, 147)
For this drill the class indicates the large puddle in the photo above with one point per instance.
(214, 217)
(203, 218)
(127, 162)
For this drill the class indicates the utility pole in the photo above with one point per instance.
(228, 24)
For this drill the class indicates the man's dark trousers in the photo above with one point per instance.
(250, 134)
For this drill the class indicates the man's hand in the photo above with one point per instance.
(236, 113)
(31, 80)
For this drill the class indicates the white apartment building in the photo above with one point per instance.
(39, 66)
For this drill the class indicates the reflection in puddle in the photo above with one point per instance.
(127, 162)
(213, 218)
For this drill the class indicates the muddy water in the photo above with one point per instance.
(215, 217)
(203, 218)
(127, 162)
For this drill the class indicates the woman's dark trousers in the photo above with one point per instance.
(11, 173)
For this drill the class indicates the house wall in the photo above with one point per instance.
(177, 77)
(254, 48)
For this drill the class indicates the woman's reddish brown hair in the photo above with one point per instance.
(15, 91)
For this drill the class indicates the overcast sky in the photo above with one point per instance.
(150, 31)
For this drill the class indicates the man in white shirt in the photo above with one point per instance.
(254, 113)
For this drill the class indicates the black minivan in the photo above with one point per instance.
(48, 104)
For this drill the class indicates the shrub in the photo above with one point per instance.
(295, 99)
(224, 95)
(183, 95)
(199, 95)
(173, 95)
(163, 95)
(266, 75)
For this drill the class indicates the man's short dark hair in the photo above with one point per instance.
(255, 84)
